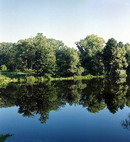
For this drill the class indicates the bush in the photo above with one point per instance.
(30, 79)
(3, 68)
(5, 80)
(48, 76)
(29, 70)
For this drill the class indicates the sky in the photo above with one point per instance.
(66, 20)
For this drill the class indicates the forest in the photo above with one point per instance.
(50, 57)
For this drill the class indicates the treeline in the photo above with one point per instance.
(51, 57)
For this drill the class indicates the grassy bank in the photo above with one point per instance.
(31, 77)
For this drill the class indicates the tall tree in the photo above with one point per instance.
(68, 62)
(127, 47)
(45, 59)
(7, 55)
(90, 48)
(25, 54)
(115, 58)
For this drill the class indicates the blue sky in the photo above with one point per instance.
(66, 20)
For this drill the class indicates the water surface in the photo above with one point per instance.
(66, 111)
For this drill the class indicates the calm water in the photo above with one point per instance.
(67, 111)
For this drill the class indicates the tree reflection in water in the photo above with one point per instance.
(94, 95)
(126, 123)
(4, 137)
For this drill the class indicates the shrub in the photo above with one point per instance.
(30, 79)
(5, 80)
(48, 76)
(3, 68)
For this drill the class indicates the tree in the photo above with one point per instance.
(90, 48)
(25, 55)
(45, 59)
(55, 44)
(127, 47)
(7, 55)
(115, 58)
(68, 62)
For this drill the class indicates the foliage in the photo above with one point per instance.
(48, 76)
(45, 59)
(6, 80)
(42, 55)
(90, 52)
(68, 62)
(115, 58)
(127, 48)
(3, 68)
(7, 55)
(30, 79)
(25, 54)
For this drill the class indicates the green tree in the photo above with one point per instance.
(45, 59)
(25, 56)
(127, 47)
(7, 55)
(55, 44)
(68, 62)
(115, 58)
(90, 52)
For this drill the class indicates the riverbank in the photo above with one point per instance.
(32, 77)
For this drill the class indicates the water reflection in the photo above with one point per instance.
(4, 137)
(126, 123)
(94, 95)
